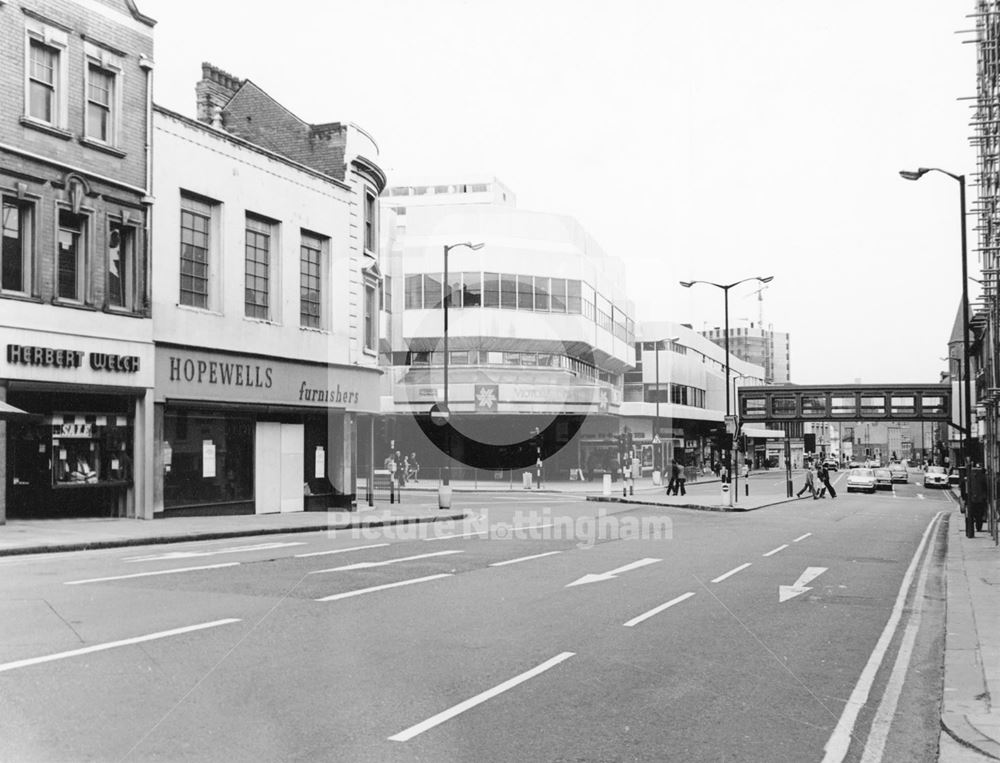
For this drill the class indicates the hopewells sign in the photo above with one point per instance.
(205, 375)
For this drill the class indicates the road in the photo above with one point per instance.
(791, 633)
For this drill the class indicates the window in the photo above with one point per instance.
(604, 314)
(840, 406)
(454, 291)
(541, 293)
(17, 247)
(472, 289)
(385, 303)
(508, 291)
(558, 290)
(311, 263)
(44, 75)
(100, 103)
(678, 394)
(371, 318)
(491, 290)
(196, 223)
(414, 292)
(370, 229)
(903, 405)
(573, 304)
(432, 291)
(783, 406)
(257, 299)
(233, 440)
(525, 293)
(872, 405)
(72, 246)
(813, 405)
(121, 266)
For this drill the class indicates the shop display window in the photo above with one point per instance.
(207, 458)
(73, 450)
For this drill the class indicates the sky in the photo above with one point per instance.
(694, 140)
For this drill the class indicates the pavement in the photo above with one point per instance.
(970, 713)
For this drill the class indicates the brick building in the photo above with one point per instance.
(76, 372)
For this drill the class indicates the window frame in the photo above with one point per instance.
(56, 41)
(101, 62)
(127, 233)
(255, 228)
(26, 238)
(80, 256)
(320, 245)
(210, 210)
(370, 317)
(370, 221)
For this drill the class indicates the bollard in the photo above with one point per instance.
(725, 492)
(606, 487)
(746, 488)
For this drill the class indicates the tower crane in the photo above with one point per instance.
(765, 335)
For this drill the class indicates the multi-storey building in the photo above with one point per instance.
(77, 363)
(767, 348)
(266, 283)
(675, 396)
(540, 330)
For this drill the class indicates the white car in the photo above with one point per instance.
(936, 476)
(861, 479)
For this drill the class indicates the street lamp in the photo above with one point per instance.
(725, 290)
(444, 495)
(916, 175)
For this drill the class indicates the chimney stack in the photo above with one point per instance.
(215, 89)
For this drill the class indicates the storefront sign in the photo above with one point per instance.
(49, 357)
(84, 430)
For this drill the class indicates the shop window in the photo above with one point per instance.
(491, 290)
(198, 256)
(121, 266)
(413, 291)
(71, 266)
(90, 450)
(207, 458)
(17, 247)
(312, 262)
(258, 252)
(472, 289)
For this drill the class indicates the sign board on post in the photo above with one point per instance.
(730, 424)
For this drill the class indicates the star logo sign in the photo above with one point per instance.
(486, 397)
(603, 404)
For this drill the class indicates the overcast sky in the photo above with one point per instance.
(693, 140)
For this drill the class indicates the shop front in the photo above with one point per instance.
(80, 426)
(243, 434)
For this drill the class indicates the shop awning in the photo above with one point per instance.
(764, 434)
(9, 412)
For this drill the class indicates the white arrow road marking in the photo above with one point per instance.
(524, 559)
(420, 728)
(801, 537)
(774, 551)
(191, 554)
(112, 644)
(368, 565)
(613, 573)
(731, 572)
(786, 592)
(340, 550)
(150, 574)
(360, 591)
(656, 610)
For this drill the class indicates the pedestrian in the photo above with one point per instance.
(678, 478)
(824, 477)
(414, 469)
(400, 469)
(672, 485)
(810, 485)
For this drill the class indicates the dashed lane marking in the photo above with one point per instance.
(801, 537)
(369, 565)
(340, 550)
(151, 574)
(435, 720)
(524, 558)
(656, 610)
(774, 551)
(113, 644)
(372, 589)
(731, 572)
(191, 554)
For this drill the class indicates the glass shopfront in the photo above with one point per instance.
(207, 458)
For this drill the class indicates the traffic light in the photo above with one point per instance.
(725, 441)
(809, 442)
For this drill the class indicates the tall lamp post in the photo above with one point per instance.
(444, 493)
(725, 290)
(916, 175)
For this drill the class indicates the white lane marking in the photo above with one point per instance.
(656, 610)
(801, 537)
(458, 535)
(191, 554)
(368, 565)
(113, 644)
(786, 592)
(372, 589)
(151, 574)
(731, 572)
(420, 728)
(602, 576)
(340, 550)
(839, 741)
(878, 735)
(524, 558)
(774, 551)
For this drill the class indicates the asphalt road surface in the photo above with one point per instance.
(802, 632)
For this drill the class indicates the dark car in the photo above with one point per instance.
(883, 479)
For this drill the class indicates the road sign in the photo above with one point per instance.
(440, 414)
(730, 424)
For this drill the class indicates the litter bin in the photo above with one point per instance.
(657, 477)
(526, 480)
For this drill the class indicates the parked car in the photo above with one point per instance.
(861, 479)
(854, 464)
(832, 463)
(954, 477)
(883, 479)
(935, 477)
(898, 472)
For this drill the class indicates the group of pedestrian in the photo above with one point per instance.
(402, 468)
(816, 474)
(677, 479)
